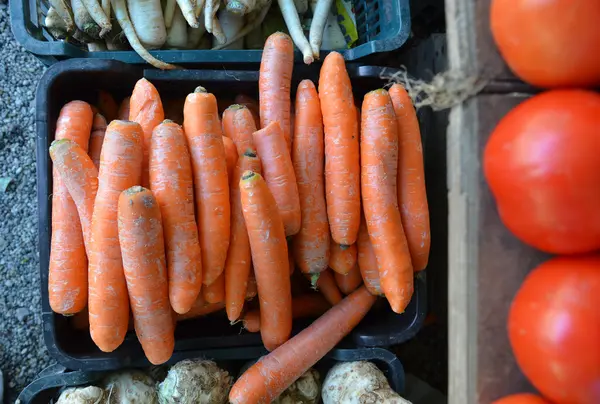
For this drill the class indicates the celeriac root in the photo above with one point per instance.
(253, 22)
(317, 27)
(169, 12)
(189, 12)
(241, 7)
(93, 7)
(64, 11)
(292, 20)
(122, 16)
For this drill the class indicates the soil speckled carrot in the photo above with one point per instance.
(97, 138)
(350, 282)
(367, 262)
(342, 258)
(215, 292)
(239, 125)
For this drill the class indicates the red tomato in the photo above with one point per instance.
(549, 43)
(542, 163)
(524, 398)
(554, 329)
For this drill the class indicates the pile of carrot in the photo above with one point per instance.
(174, 221)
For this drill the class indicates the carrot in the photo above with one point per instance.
(231, 155)
(274, 83)
(252, 105)
(342, 258)
(239, 125)
(367, 262)
(172, 184)
(204, 138)
(147, 110)
(412, 195)
(123, 113)
(291, 262)
(97, 138)
(251, 289)
(251, 321)
(107, 106)
(270, 258)
(279, 175)
(215, 292)
(350, 282)
(79, 174)
(325, 283)
(120, 169)
(200, 308)
(142, 246)
(311, 244)
(379, 165)
(272, 374)
(67, 272)
(239, 259)
(342, 167)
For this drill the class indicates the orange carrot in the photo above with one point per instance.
(350, 282)
(379, 166)
(231, 155)
(274, 83)
(80, 176)
(252, 105)
(325, 283)
(204, 138)
(311, 244)
(275, 372)
(239, 125)
(291, 262)
(239, 259)
(279, 175)
(120, 169)
(67, 272)
(172, 184)
(145, 108)
(96, 139)
(200, 308)
(123, 113)
(342, 258)
(251, 321)
(107, 106)
(215, 292)
(367, 262)
(251, 289)
(412, 195)
(270, 258)
(142, 247)
(342, 167)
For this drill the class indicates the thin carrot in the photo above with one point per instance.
(367, 262)
(204, 138)
(142, 247)
(123, 113)
(200, 308)
(239, 259)
(97, 138)
(275, 372)
(270, 258)
(342, 167)
(252, 105)
(231, 155)
(325, 283)
(251, 321)
(412, 194)
(239, 125)
(342, 258)
(311, 244)
(291, 262)
(120, 169)
(145, 108)
(107, 105)
(67, 272)
(379, 166)
(350, 282)
(279, 175)
(274, 83)
(252, 288)
(172, 184)
(215, 292)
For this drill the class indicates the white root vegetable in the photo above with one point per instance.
(305, 390)
(106, 8)
(81, 395)
(148, 22)
(333, 37)
(194, 35)
(218, 32)
(93, 7)
(241, 7)
(356, 383)
(169, 12)
(189, 12)
(195, 381)
(96, 46)
(83, 19)
(210, 12)
(199, 9)
(254, 20)
(317, 27)
(120, 9)
(292, 20)
(55, 24)
(301, 6)
(177, 36)
(130, 386)
(231, 25)
(64, 11)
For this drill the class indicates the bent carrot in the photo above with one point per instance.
(252, 105)
(145, 108)
(350, 282)
(239, 125)
(231, 155)
(123, 113)
(215, 292)
(97, 138)
(107, 105)
(200, 308)
(342, 258)
(412, 194)
(311, 244)
(274, 82)
(270, 258)
(325, 283)
(67, 271)
(239, 259)
(142, 247)
(379, 166)
(204, 138)
(120, 169)
(172, 184)
(367, 262)
(275, 372)
(342, 167)
(279, 175)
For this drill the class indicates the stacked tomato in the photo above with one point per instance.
(542, 164)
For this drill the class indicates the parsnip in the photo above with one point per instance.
(189, 12)
(254, 20)
(231, 24)
(301, 6)
(64, 11)
(194, 35)
(292, 20)
(169, 13)
(317, 27)
(83, 19)
(177, 36)
(55, 24)
(93, 7)
(210, 11)
(148, 22)
(218, 32)
(199, 9)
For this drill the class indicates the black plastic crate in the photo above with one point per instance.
(52, 379)
(81, 79)
(382, 26)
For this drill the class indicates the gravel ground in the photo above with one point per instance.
(22, 350)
